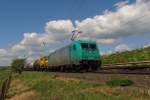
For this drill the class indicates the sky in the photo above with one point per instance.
(116, 25)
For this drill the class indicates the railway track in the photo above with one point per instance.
(143, 71)
(137, 71)
(123, 72)
(141, 68)
(128, 64)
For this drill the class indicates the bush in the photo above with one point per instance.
(17, 65)
(119, 82)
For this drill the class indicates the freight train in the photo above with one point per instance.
(77, 56)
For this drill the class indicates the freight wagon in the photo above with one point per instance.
(41, 64)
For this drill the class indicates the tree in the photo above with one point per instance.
(17, 65)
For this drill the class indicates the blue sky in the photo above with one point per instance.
(116, 25)
(20, 16)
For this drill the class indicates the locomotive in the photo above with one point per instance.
(78, 55)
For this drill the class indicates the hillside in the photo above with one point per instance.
(142, 54)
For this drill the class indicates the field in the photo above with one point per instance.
(76, 86)
(142, 54)
(4, 72)
(80, 86)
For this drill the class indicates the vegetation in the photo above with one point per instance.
(53, 86)
(17, 65)
(4, 72)
(127, 56)
(119, 82)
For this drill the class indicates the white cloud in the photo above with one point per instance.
(128, 19)
(122, 47)
(59, 30)
(2, 52)
(4, 61)
(147, 45)
(106, 52)
(35, 44)
(121, 4)
(106, 41)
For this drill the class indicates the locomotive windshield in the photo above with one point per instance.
(88, 46)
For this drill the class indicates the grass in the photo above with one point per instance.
(127, 56)
(51, 86)
(4, 72)
(119, 82)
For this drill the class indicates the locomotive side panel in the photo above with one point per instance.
(59, 57)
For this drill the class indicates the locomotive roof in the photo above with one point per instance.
(80, 41)
(85, 41)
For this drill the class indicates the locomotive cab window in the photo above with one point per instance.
(84, 45)
(92, 46)
(88, 46)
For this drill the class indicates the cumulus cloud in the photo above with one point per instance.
(106, 52)
(127, 20)
(147, 45)
(107, 28)
(59, 30)
(3, 52)
(122, 47)
(35, 44)
(121, 4)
